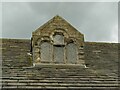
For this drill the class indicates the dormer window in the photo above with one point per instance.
(57, 42)
(45, 49)
(71, 53)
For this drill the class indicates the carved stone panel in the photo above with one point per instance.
(58, 54)
(71, 53)
(58, 39)
(46, 54)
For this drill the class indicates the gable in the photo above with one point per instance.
(57, 23)
(52, 43)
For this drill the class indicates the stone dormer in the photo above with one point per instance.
(57, 42)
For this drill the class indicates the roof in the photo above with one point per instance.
(19, 73)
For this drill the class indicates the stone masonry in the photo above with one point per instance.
(57, 42)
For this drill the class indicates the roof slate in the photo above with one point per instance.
(19, 73)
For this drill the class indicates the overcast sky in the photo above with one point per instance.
(97, 21)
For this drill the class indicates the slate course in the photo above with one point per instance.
(18, 72)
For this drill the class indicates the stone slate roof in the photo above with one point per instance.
(19, 73)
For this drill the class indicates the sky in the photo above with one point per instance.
(98, 21)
